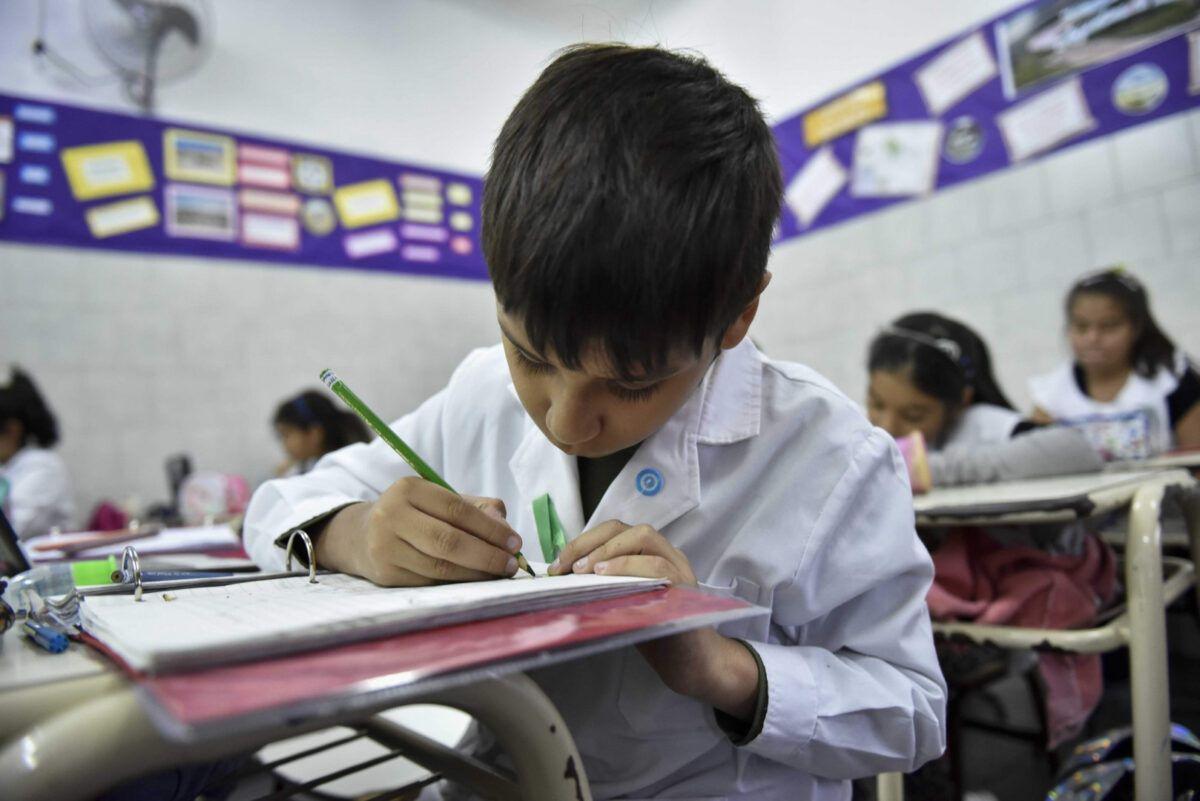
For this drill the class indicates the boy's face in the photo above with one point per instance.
(589, 412)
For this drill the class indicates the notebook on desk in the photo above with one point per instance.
(204, 626)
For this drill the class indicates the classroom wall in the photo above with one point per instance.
(1000, 254)
(144, 356)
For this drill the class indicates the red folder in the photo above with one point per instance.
(366, 676)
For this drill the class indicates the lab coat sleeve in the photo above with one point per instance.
(1039, 453)
(358, 472)
(854, 687)
(40, 501)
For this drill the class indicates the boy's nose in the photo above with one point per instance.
(570, 421)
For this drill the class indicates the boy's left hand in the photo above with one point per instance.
(702, 663)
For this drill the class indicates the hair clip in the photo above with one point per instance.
(947, 346)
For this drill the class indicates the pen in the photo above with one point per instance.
(46, 637)
(392, 438)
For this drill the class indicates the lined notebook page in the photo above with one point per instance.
(209, 625)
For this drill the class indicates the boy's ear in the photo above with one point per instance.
(736, 332)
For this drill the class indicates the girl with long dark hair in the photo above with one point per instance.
(35, 487)
(310, 426)
(1123, 367)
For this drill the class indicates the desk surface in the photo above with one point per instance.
(1047, 500)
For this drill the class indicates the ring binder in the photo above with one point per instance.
(131, 571)
(312, 560)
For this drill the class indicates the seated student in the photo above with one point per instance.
(35, 487)
(932, 376)
(310, 426)
(626, 223)
(1123, 363)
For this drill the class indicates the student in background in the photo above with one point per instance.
(626, 224)
(35, 487)
(1123, 363)
(931, 386)
(310, 426)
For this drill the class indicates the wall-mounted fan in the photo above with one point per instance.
(145, 43)
(149, 42)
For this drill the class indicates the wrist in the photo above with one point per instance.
(336, 543)
(730, 673)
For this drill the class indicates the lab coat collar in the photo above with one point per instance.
(661, 482)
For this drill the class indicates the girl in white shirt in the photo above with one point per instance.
(1124, 367)
(931, 376)
(35, 488)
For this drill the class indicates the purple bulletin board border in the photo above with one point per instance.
(52, 127)
(905, 102)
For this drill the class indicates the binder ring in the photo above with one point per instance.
(131, 570)
(312, 561)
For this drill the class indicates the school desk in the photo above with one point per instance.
(73, 724)
(1141, 625)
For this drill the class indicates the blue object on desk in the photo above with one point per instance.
(178, 575)
(46, 637)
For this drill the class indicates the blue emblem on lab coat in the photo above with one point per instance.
(649, 481)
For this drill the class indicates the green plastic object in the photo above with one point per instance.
(94, 571)
(549, 527)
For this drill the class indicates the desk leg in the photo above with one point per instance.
(530, 730)
(94, 745)
(1148, 646)
(1189, 498)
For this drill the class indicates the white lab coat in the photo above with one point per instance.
(779, 492)
(39, 491)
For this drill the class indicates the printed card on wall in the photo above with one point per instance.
(896, 159)
(1045, 120)
(130, 183)
(955, 73)
(121, 217)
(815, 185)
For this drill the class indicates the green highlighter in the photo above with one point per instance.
(389, 436)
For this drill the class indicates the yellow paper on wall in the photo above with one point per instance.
(107, 169)
(366, 203)
(852, 110)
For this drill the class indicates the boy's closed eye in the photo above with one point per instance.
(626, 391)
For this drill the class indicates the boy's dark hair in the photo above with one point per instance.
(313, 409)
(1152, 348)
(941, 356)
(21, 401)
(629, 205)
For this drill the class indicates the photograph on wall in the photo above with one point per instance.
(1056, 38)
(199, 157)
(201, 212)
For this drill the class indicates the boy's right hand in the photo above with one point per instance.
(418, 533)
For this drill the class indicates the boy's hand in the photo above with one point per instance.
(615, 549)
(418, 533)
(702, 664)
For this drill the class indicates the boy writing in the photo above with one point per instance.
(627, 221)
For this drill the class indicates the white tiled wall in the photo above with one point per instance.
(145, 356)
(1000, 253)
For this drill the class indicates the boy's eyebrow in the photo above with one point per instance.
(646, 379)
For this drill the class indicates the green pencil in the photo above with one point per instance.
(389, 436)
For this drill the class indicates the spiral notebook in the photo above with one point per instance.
(203, 626)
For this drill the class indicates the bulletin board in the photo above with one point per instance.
(76, 177)
(1045, 76)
